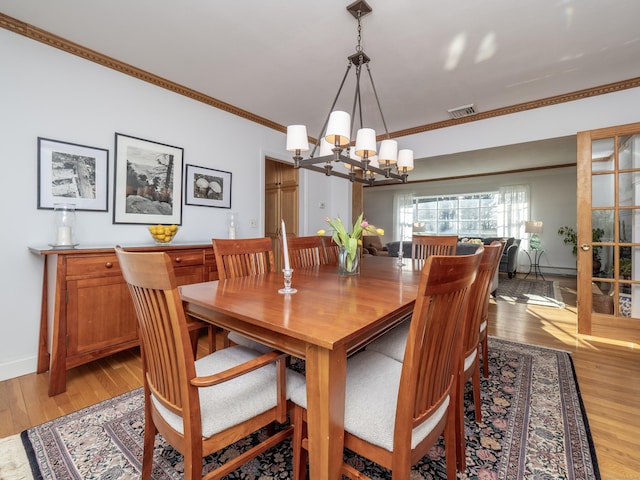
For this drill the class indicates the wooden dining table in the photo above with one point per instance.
(329, 318)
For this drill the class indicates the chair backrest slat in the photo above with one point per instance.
(423, 246)
(243, 257)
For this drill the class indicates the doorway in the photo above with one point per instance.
(609, 232)
(280, 203)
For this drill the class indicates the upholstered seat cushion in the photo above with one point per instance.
(393, 343)
(237, 400)
(371, 395)
(239, 339)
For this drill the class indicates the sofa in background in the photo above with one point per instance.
(508, 261)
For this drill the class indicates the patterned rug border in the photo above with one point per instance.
(537, 454)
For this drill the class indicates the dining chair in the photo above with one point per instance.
(484, 322)
(469, 368)
(331, 250)
(241, 258)
(305, 251)
(395, 411)
(199, 407)
(422, 246)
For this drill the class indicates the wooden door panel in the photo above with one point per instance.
(100, 314)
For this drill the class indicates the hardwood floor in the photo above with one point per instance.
(608, 374)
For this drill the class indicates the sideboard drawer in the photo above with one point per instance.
(106, 264)
(186, 258)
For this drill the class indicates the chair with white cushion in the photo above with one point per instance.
(395, 411)
(202, 406)
(306, 251)
(241, 258)
(484, 322)
(422, 246)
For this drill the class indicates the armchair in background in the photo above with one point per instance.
(373, 245)
(509, 259)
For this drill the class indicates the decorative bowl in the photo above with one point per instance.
(163, 234)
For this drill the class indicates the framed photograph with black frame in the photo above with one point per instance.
(148, 182)
(72, 173)
(207, 187)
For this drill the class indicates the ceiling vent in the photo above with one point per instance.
(463, 111)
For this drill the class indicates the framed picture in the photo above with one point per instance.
(148, 182)
(71, 173)
(207, 187)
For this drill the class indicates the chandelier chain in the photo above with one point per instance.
(359, 46)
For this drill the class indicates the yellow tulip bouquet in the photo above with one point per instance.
(350, 241)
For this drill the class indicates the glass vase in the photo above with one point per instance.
(346, 265)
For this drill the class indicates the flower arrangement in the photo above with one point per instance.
(350, 241)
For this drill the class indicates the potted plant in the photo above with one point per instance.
(571, 238)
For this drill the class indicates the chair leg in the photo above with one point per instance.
(300, 455)
(485, 356)
(460, 441)
(450, 445)
(476, 391)
(150, 432)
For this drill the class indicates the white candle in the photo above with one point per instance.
(64, 236)
(285, 248)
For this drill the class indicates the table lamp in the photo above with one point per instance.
(534, 227)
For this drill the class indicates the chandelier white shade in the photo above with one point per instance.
(366, 143)
(365, 161)
(405, 160)
(297, 139)
(339, 129)
(388, 152)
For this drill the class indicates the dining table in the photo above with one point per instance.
(329, 318)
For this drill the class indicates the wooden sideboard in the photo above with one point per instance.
(87, 312)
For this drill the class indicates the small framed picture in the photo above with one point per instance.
(148, 182)
(72, 173)
(207, 187)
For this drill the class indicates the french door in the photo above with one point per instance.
(609, 232)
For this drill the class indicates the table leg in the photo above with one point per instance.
(326, 374)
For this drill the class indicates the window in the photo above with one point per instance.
(466, 215)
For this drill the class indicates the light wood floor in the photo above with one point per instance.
(608, 375)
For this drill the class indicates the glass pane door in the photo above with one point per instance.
(609, 228)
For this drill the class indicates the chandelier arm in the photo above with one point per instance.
(357, 102)
(335, 100)
(375, 94)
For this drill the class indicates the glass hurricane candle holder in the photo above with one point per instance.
(288, 274)
(65, 225)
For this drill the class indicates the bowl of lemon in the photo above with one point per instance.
(163, 234)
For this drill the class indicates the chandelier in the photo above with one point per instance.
(367, 163)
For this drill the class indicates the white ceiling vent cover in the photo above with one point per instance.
(463, 111)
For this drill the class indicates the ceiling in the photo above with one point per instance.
(284, 59)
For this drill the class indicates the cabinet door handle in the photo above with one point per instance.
(178, 260)
(108, 264)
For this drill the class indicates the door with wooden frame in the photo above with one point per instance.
(280, 203)
(609, 232)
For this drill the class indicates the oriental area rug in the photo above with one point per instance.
(528, 290)
(534, 427)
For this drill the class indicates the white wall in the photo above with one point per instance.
(45, 92)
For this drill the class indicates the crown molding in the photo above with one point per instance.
(39, 35)
(521, 107)
(60, 43)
